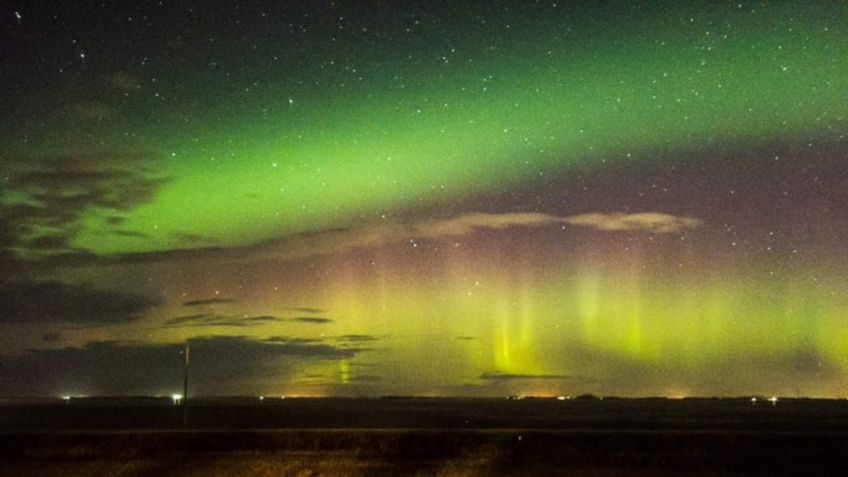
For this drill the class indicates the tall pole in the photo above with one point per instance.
(185, 386)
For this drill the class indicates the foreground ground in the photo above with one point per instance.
(425, 437)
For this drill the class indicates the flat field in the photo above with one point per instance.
(402, 436)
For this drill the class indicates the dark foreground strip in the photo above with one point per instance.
(804, 453)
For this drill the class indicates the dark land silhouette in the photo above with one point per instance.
(425, 436)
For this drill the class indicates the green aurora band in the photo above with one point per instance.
(486, 123)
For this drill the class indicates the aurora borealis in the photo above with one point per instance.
(438, 198)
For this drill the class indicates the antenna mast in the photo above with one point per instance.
(185, 386)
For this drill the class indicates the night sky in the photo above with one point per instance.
(431, 198)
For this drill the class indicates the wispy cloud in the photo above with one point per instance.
(654, 222)
(131, 233)
(338, 241)
(209, 301)
(204, 320)
(289, 339)
(512, 377)
(46, 198)
(356, 338)
(468, 223)
(305, 309)
(312, 319)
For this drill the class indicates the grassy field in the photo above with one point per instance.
(422, 452)
(426, 437)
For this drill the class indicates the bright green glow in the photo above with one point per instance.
(630, 326)
(686, 327)
(484, 124)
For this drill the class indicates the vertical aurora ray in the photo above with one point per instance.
(527, 315)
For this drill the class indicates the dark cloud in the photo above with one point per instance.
(209, 301)
(51, 337)
(209, 319)
(344, 342)
(188, 318)
(510, 377)
(191, 239)
(306, 310)
(266, 249)
(44, 200)
(261, 319)
(241, 346)
(465, 338)
(220, 365)
(206, 320)
(242, 361)
(356, 338)
(287, 339)
(312, 319)
(48, 242)
(98, 368)
(55, 302)
(130, 233)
